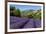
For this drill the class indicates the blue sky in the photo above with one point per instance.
(27, 7)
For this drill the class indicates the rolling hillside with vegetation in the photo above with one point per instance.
(35, 14)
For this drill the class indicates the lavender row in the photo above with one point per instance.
(16, 23)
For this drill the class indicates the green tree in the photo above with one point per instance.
(17, 13)
(12, 10)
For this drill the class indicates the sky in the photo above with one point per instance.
(27, 7)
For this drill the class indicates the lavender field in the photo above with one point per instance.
(25, 16)
(17, 23)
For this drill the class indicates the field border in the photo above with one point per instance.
(24, 2)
